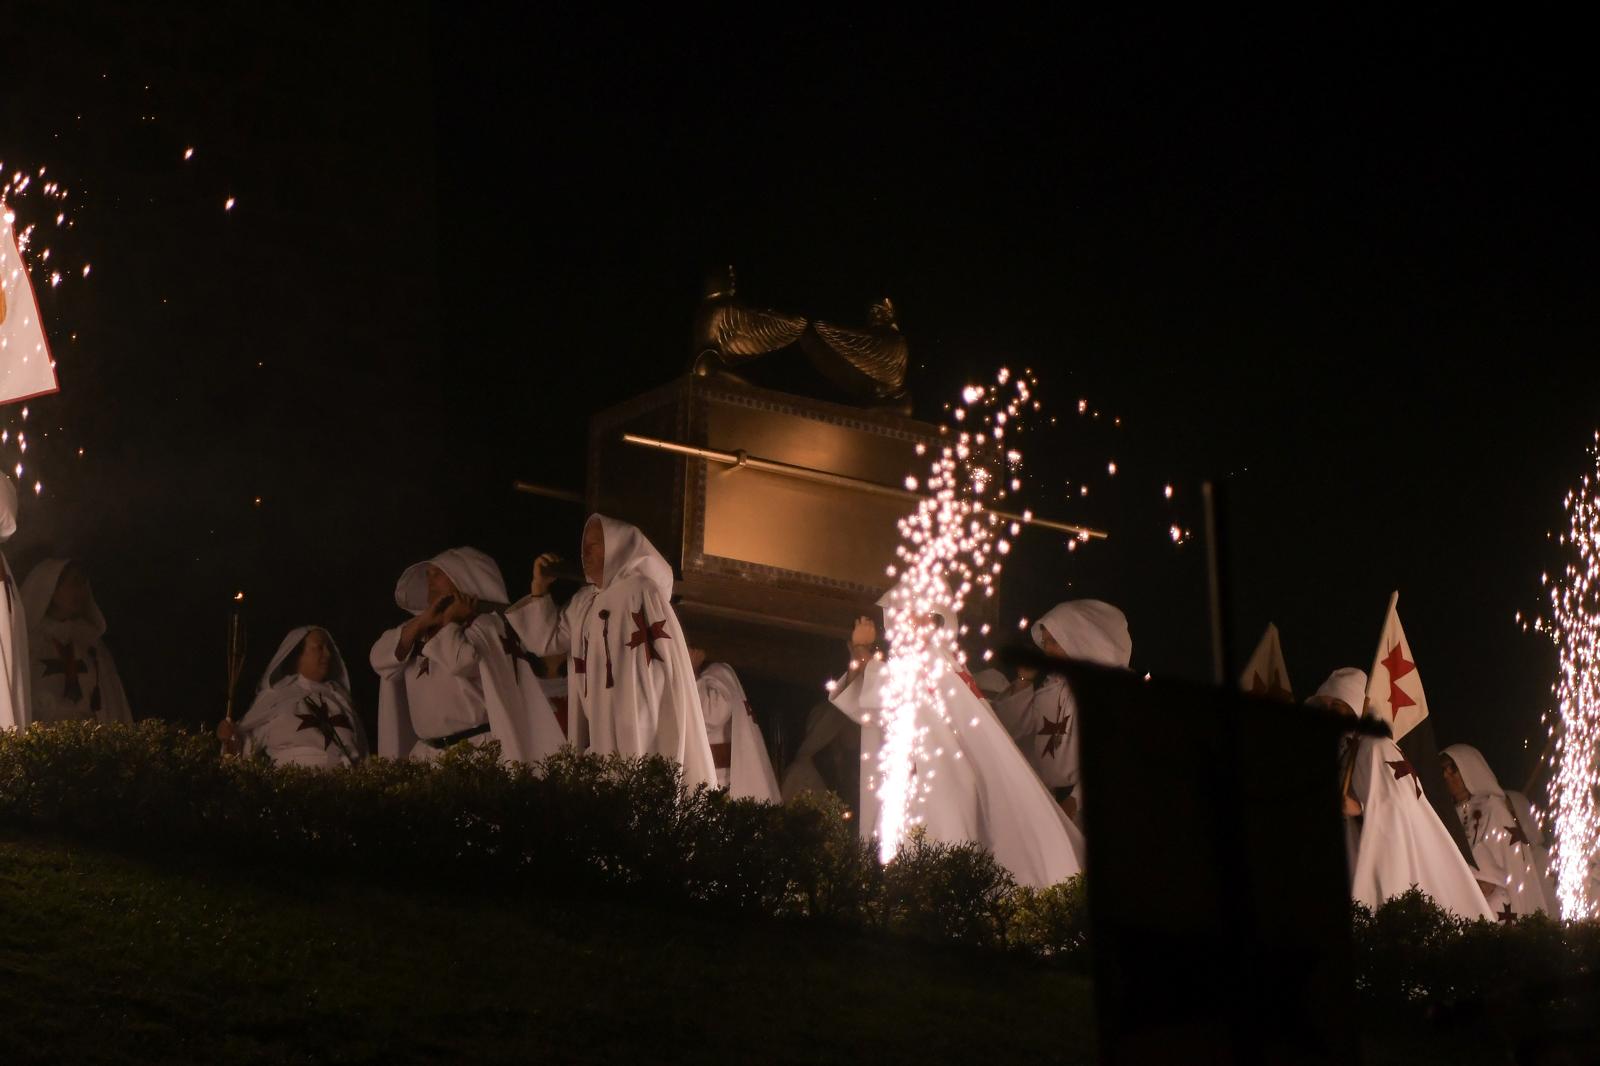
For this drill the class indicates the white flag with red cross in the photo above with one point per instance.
(1394, 688)
(1266, 674)
(25, 368)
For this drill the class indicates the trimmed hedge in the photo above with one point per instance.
(592, 825)
(573, 823)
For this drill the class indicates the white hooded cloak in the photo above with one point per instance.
(738, 750)
(1503, 845)
(1043, 719)
(630, 685)
(74, 676)
(979, 786)
(464, 676)
(16, 670)
(301, 722)
(1397, 841)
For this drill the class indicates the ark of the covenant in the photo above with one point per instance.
(777, 507)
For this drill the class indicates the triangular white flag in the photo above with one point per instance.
(1394, 688)
(25, 370)
(1266, 674)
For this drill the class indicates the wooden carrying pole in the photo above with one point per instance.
(824, 477)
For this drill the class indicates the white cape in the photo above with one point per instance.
(630, 685)
(1398, 841)
(485, 648)
(301, 722)
(981, 787)
(74, 676)
(728, 714)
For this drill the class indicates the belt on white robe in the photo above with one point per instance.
(441, 743)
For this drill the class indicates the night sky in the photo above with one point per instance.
(1345, 269)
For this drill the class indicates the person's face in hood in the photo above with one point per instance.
(592, 554)
(316, 657)
(1048, 645)
(1452, 779)
(439, 585)
(71, 599)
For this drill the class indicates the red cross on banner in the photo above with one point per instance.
(1394, 688)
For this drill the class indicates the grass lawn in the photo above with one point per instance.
(114, 960)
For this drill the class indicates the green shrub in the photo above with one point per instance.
(948, 893)
(1053, 923)
(572, 824)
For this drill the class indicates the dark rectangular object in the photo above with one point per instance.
(1217, 875)
(771, 569)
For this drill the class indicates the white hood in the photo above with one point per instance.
(1088, 630)
(280, 668)
(628, 551)
(40, 588)
(473, 572)
(1474, 769)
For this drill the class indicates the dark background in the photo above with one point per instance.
(1345, 268)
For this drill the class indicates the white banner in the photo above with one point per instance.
(25, 367)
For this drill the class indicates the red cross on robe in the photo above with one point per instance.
(1404, 767)
(69, 666)
(1057, 731)
(647, 634)
(317, 717)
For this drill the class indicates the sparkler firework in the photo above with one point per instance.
(950, 548)
(1575, 628)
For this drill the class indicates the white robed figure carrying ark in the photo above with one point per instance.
(969, 781)
(630, 685)
(455, 673)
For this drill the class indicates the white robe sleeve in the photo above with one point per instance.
(680, 725)
(1018, 712)
(450, 649)
(862, 698)
(396, 738)
(861, 701)
(541, 625)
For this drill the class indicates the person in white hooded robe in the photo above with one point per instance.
(630, 685)
(1393, 838)
(16, 670)
(1041, 715)
(302, 714)
(456, 672)
(827, 759)
(1509, 871)
(738, 749)
(975, 784)
(74, 676)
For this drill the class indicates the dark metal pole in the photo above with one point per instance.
(1222, 663)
